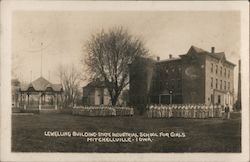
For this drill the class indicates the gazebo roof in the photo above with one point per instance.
(41, 84)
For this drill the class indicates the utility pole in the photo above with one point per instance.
(238, 102)
(30, 75)
(41, 71)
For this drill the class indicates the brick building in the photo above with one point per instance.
(140, 78)
(198, 76)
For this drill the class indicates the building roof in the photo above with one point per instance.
(41, 84)
(168, 60)
(197, 50)
(96, 83)
(93, 84)
(216, 55)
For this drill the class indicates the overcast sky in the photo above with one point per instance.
(64, 33)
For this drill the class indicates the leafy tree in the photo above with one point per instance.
(108, 56)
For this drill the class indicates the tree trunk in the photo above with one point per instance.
(114, 99)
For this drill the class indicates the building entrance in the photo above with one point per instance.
(165, 99)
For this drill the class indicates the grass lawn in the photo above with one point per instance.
(202, 135)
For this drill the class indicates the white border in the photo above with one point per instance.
(7, 7)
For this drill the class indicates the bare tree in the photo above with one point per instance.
(71, 79)
(108, 56)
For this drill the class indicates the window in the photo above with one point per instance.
(166, 69)
(212, 67)
(225, 85)
(161, 84)
(219, 99)
(220, 84)
(179, 84)
(229, 86)
(179, 69)
(216, 69)
(172, 84)
(106, 92)
(155, 85)
(221, 71)
(167, 84)
(212, 82)
(225, 72)
(216, 83)
(228, 73)
(212, 98)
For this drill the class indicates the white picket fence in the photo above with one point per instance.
(185, 111)
(102, 111)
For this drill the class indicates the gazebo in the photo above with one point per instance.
(40, 94)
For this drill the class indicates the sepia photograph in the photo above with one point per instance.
(105, 80)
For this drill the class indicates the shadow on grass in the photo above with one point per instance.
(201, 135)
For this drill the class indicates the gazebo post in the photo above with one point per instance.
(61, 100)
(21, 100)
(17, 101)
(24, 107)
(55, 101)
(44, 101)
(40, 102)
(28, 99)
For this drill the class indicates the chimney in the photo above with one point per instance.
(170, 56)
(158, 58)
(212, 49)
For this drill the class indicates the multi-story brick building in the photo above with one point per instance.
(198, 76)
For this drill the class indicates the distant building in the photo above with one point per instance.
(198, 76)
(15, 86)
(96, 93)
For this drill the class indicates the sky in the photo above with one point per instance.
(58, 37)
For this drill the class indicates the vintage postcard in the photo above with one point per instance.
(124, 81)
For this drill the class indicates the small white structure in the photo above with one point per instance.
(96, 93)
